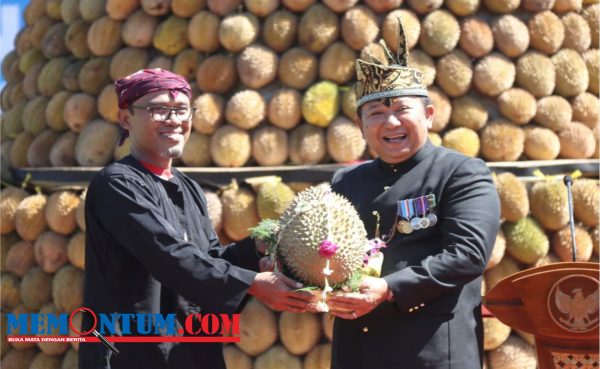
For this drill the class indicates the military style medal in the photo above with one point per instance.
(406, 210)
(404, 227)
(415, 221)
(416, 214)
(431, 204)
(422, 206)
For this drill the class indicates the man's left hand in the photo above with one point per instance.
(373, 291)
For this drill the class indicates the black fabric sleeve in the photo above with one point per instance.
(129, 210)
(242, 254)
(469, 220)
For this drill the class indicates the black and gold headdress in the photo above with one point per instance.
(377, 80)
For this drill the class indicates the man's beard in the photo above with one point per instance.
(175, 152)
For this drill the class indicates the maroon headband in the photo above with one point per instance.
(146, 81)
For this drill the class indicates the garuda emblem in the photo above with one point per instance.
(573, 303)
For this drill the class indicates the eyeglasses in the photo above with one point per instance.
(163, 113)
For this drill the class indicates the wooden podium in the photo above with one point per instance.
(558, 304)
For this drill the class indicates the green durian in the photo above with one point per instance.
(320, 103)
(170, 36)
(548, 203)
(526, 241)
(272, 199)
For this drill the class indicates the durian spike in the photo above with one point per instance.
(402, 54)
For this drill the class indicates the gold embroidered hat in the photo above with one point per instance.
(377, 80)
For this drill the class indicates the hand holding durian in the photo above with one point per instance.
(321, 241)
(372, 292)
(279, 292)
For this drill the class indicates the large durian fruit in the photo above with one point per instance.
(315, 215)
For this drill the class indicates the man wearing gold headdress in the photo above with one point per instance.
(438, 213)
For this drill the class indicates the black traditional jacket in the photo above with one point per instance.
(434, 273)
(150, 248)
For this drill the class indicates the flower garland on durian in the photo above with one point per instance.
(270, 231)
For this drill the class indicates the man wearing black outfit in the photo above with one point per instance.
(150, 246)
(437, 211)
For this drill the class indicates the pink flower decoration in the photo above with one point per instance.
(376, 245)
(327, 249)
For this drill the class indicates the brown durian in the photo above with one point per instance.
(284, 109)
(239, 215)
(203, 32)
(209, 113)
(230, 146)
(297, 68)
(269, 146)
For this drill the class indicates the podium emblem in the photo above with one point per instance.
(573, 303)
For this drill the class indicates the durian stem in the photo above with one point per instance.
(26, 181)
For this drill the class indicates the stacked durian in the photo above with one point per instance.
(42, 259)
(280, 340)
(511, 80)
(269, 339)
(536, 232)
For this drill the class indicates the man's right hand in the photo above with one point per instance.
(278, 292)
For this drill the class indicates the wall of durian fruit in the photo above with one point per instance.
(511, 79)
(42, 261)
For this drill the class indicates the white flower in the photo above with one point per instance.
(322, 307)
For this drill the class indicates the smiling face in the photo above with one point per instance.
(156, 142)
(396, 128)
